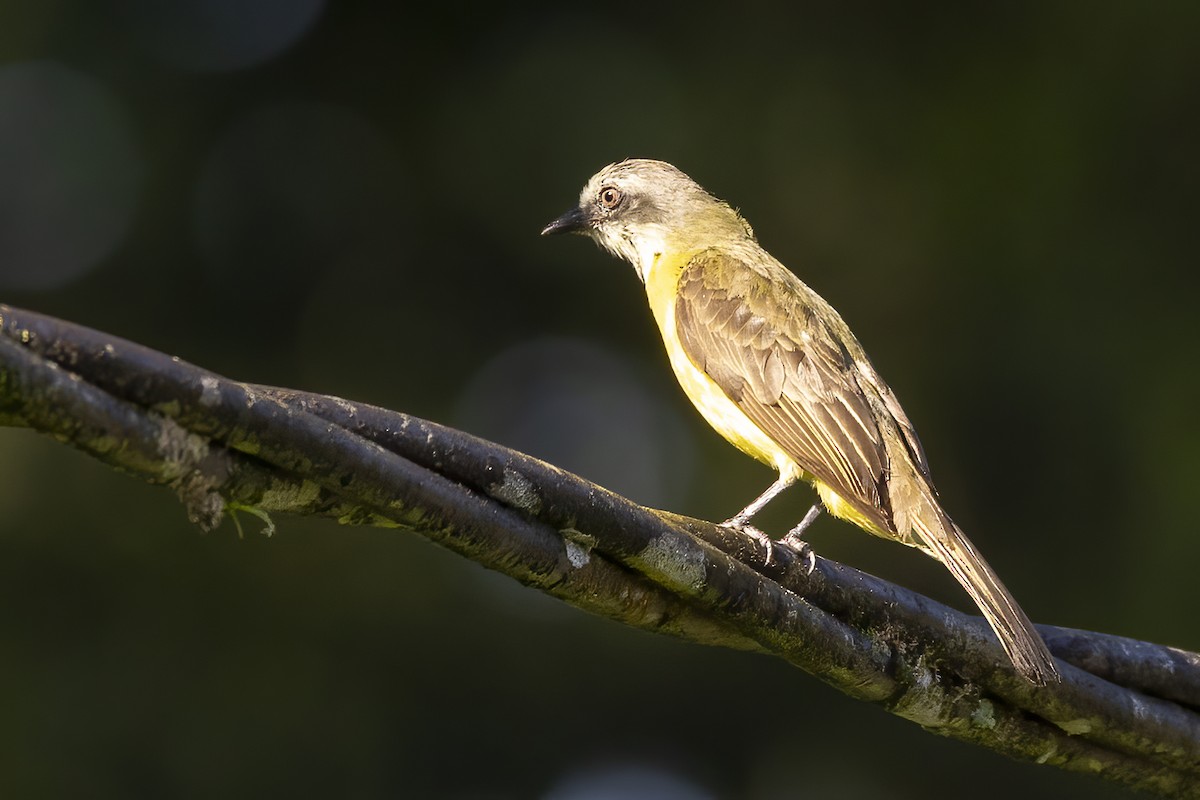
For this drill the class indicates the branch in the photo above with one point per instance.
(1125, 711)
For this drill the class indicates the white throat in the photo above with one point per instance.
(641, 249)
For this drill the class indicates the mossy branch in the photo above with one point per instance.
(1125, 711)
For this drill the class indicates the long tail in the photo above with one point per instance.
(1017, 635)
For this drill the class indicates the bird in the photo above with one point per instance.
(777, 372)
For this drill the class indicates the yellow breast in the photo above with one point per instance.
(710, 400)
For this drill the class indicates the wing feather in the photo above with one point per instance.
(789, 372)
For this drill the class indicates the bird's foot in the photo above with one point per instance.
(794, 541)
(742, 525)
(739, 521)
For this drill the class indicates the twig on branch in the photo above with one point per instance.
(1126, 710)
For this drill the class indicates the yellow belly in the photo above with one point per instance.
(709, 399)
(718, 410)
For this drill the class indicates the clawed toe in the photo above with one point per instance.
(794, 541)
(743, 526)
(802, 549)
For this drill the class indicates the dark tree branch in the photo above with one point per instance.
(1126, 710)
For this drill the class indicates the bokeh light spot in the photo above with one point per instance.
(71, 174)
(625, 782)
(583, 409)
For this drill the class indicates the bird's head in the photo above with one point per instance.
(639, 208)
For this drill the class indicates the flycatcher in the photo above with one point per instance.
(776, 371)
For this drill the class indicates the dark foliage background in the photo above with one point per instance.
(346, 198)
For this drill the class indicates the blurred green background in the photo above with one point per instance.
(346, 198)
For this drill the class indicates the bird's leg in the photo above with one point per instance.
(741, 520)
(795, 537)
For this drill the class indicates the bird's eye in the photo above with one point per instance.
(610, 197)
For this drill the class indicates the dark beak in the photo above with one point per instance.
(574, 221)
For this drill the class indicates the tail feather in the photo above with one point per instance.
(1018, 637)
